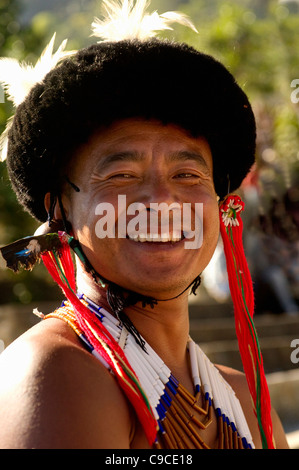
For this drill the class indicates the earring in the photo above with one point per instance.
(241, 288)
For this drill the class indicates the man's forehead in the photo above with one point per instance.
(139, 129)
(180, 156)
(130, 138)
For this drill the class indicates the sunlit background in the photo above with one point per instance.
(258, 40)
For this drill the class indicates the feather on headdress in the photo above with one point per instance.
(18, 78)
(129, 20)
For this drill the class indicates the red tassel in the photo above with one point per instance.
(240, 283)
(60, 266)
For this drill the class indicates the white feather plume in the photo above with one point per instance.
(127, 19)
(18, 78)
(4, 140)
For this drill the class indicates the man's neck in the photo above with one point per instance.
(165, 327)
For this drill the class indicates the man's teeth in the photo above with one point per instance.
(154, 237)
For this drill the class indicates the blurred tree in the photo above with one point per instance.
(258, 42)
(16, 41)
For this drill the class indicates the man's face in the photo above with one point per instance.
(146, 163)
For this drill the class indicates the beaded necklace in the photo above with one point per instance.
(178, 414)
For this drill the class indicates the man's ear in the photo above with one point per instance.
(47, 202)
(57, 214)
(56, 210)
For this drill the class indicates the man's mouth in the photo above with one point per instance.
(157, 238)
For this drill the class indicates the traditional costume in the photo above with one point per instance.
(59, 103)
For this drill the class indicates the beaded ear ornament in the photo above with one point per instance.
(241, 288)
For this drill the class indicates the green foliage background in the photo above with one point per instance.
(256, 39)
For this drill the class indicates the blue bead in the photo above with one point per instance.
(90, 347)
(165, 401)
(173, 390)
(245, 443)
(161, 410)
(172, 379)
(162, 430)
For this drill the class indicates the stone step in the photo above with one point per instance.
(276, 352)
(217, 337)
(208, 309)
(283, 388)
(219, 329)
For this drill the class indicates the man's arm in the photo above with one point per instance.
(54, 394)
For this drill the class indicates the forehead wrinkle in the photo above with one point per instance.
(184, 155)
(130, 156)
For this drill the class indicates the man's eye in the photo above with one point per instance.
(186, 175)
(122, 175)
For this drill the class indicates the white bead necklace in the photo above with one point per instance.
(162, 388)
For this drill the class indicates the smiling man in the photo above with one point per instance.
(152, 124)
(162, 164)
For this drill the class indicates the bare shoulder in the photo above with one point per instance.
(55, 394)
(238, 382)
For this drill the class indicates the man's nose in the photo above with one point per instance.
(158, 189)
